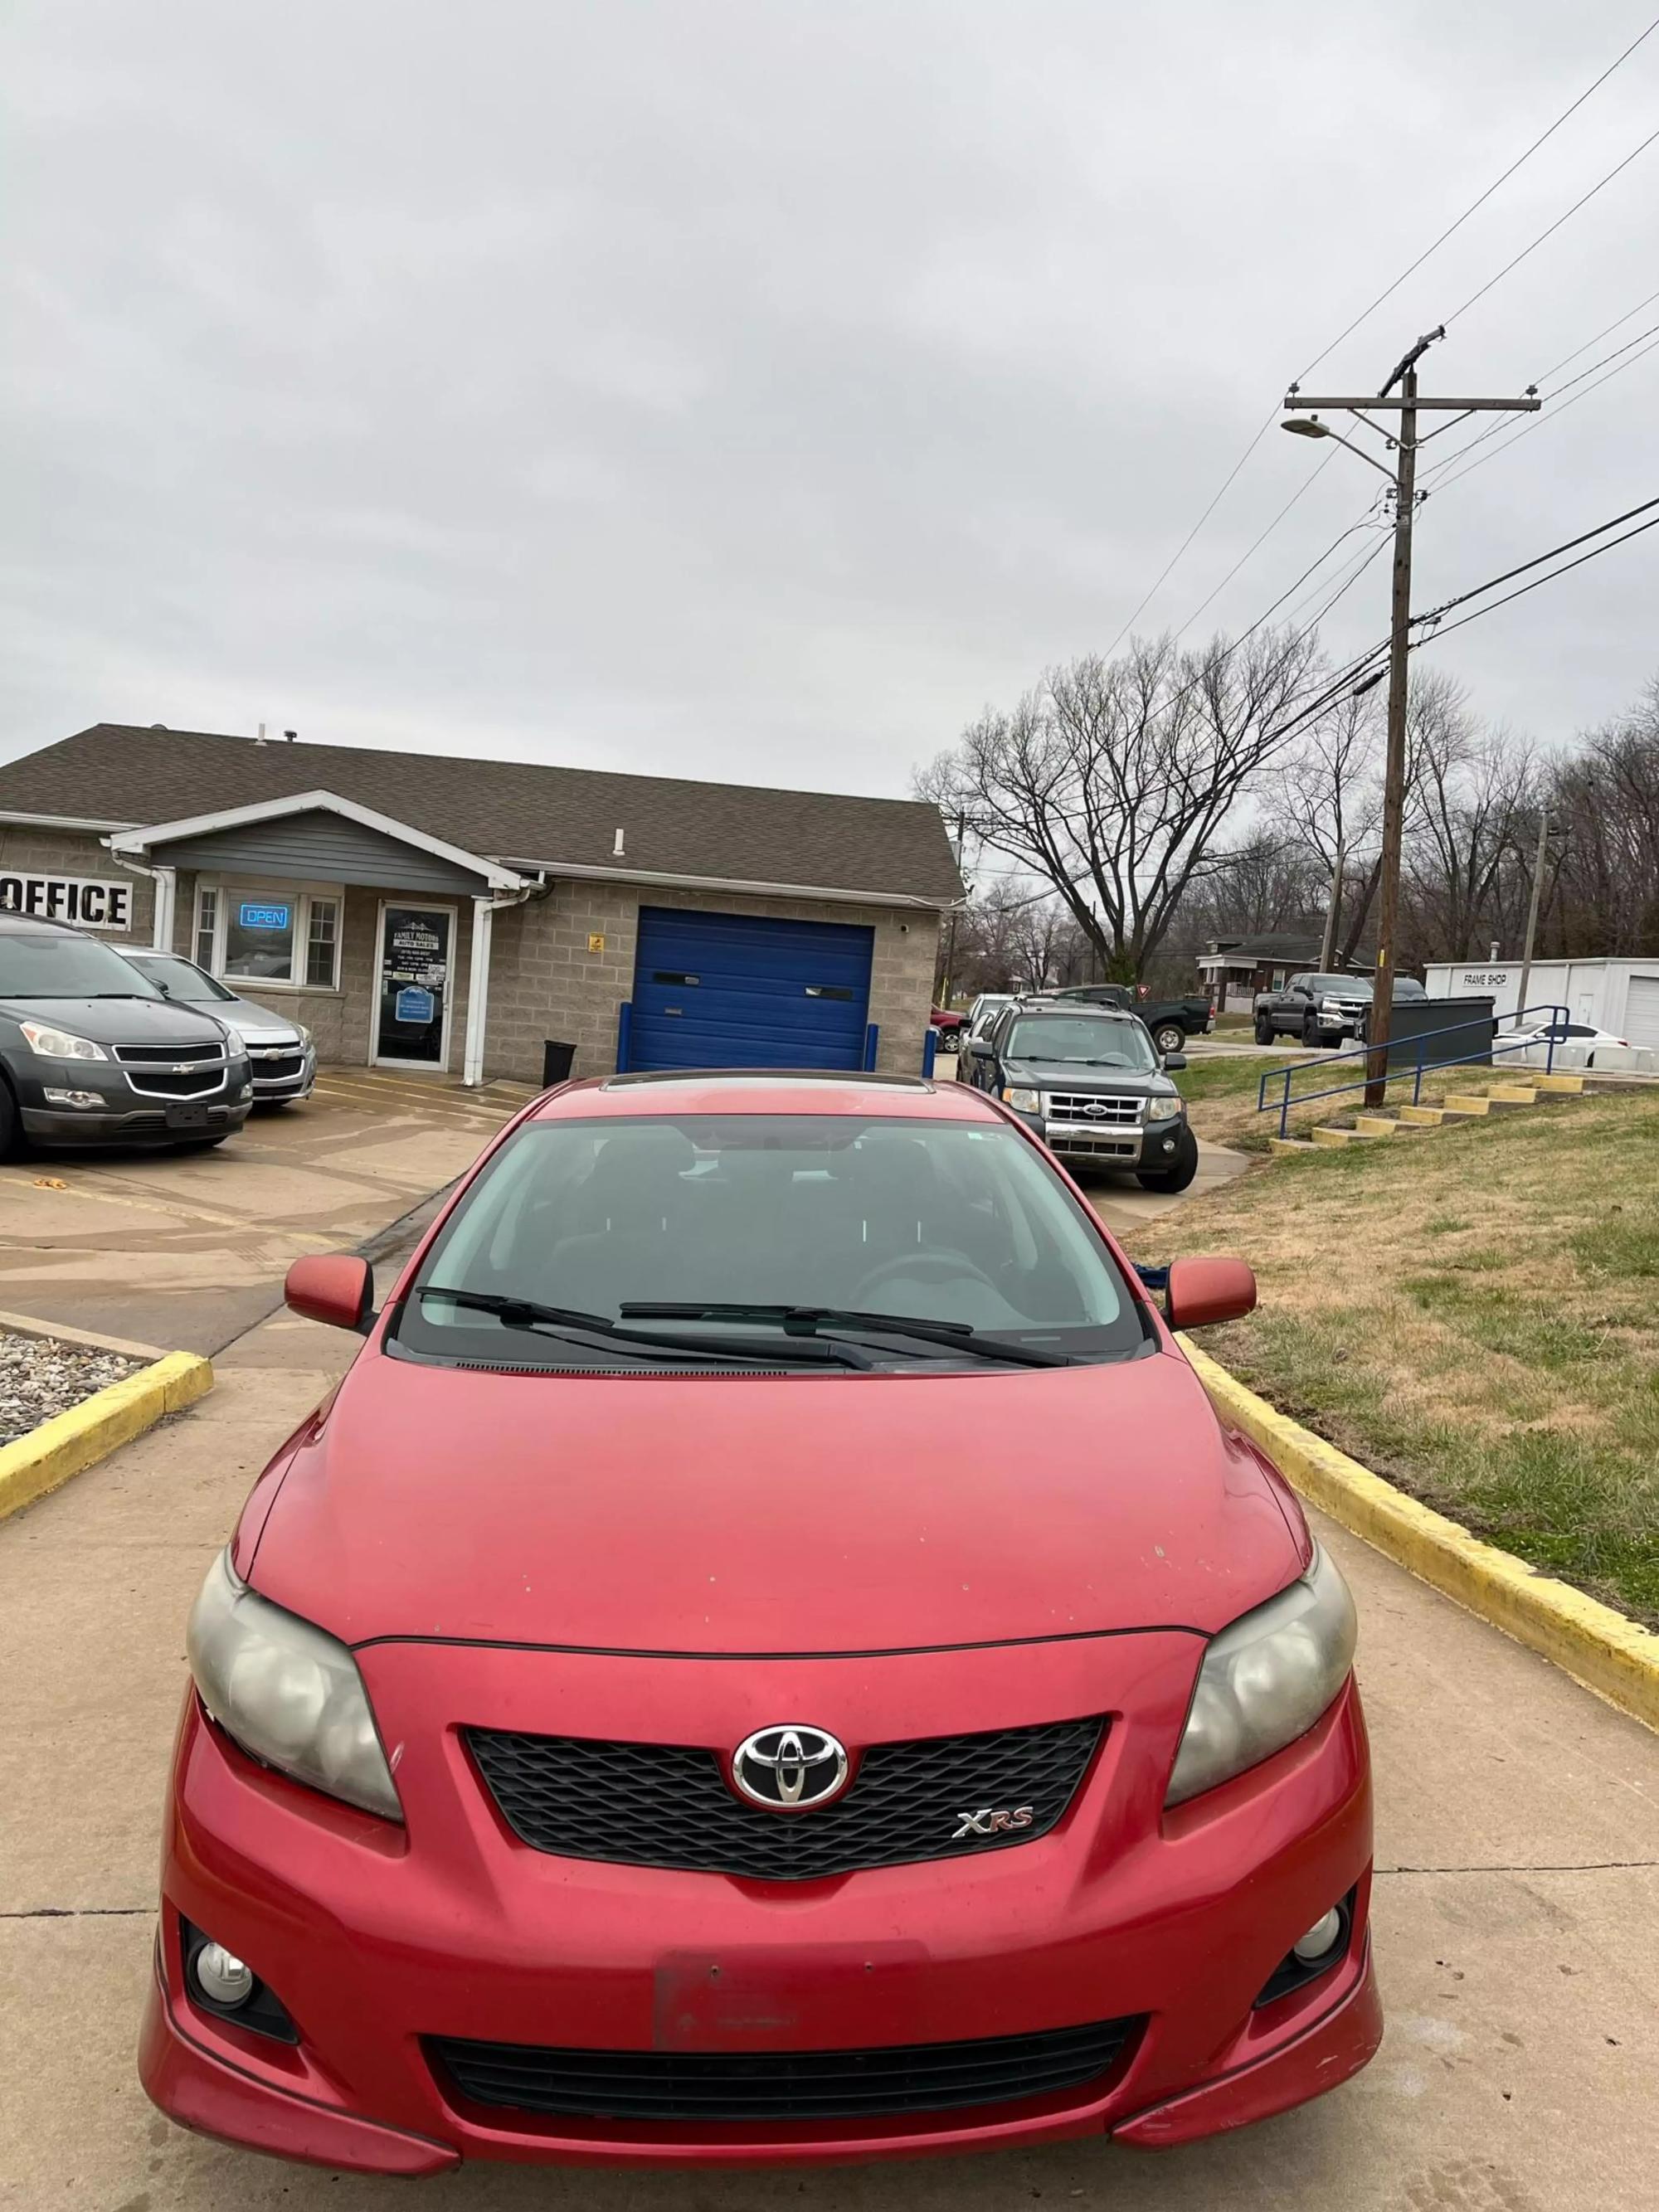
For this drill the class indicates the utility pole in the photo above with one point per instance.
(1404, 477)
(1532, 907)
(1327, 943)
(949, 984)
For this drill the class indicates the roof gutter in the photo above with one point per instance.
(583, 871)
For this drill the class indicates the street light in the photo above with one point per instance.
(1311, 427)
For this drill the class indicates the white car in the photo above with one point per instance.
(1575, 1043)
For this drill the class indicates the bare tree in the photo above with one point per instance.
(1470, 795)
(1114, 781)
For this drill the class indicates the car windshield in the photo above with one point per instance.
(181, 979)
(962, 1227)
(44, 965)
(1343, 987)
(1088, 1039)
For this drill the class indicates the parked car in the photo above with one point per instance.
(945, 1023)
(1320, 1009)
(1091, 1083)
(1532, 1041)
(1171, 1021)
(283, 1058)
(626, 1726)
(985, 1010)
(92, 1053)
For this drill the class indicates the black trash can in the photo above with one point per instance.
(556, 1063)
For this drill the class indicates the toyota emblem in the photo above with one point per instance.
(789, 1768)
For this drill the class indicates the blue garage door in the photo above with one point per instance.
(729, 990)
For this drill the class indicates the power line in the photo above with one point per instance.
(1629, 315)
(1601, 530)
(1232, 474)
(1651, 331)
(1600, 186)
(1593, 553)
(1538, 423)
(1306, 484)
(1474, 205)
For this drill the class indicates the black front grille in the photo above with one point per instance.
(165, 1055)
(669, 1805)
(782, 2085)
(163, 1083)
(270, 1068)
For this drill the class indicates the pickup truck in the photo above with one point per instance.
(1171, 1021)
(1325, 1009)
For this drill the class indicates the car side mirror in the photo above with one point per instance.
(976, 1048)
(1174, 1062)
(1203, 1292)
(335, 1288)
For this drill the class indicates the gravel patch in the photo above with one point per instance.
(39, 1377)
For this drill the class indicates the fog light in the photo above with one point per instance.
(1319, 1938)
(246, 1092)
(73, 1098)
(223, 1979)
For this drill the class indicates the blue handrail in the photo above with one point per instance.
(1427, 1055)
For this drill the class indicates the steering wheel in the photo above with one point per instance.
(931, 1266)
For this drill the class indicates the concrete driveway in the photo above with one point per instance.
(184, 1250)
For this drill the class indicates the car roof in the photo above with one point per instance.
(1072, 1008)
(764, 1091)
(35, 925)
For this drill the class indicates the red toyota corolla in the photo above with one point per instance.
(769, 1654)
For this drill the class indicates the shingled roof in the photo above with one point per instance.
(124, 775)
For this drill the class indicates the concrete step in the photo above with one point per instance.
(1424, 1117)
(1289, 1145)
(1332, 1139)
(1560, 1086)
(1512, 1094)
(1377, 1125)
(1467, 1103)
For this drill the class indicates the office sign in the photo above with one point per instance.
(88, 902)
(252, 916)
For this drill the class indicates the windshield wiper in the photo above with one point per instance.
(529, 1312)
(809, 1321)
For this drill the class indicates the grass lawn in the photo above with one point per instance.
(1474, 1313)
(1221, 1093)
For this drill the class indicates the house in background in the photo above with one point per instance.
(457, 916)
(1236, 967)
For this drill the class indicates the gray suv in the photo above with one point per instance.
(92, 1053)
(1089, 1081)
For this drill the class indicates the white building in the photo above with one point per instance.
(1619, 995)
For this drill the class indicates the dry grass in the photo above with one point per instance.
(1221, 1093)
(1475, 1313)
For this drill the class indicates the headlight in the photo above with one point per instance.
(1023, 1102)
(1330, 1006)
(235, 1043)
(1162, 1109)
(305, 1034)
(287, 1693)
(59, 1044)
(1266, 1681)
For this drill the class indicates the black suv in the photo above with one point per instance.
(92, 1053)
(1089, 1081)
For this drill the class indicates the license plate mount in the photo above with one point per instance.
(187, 1117)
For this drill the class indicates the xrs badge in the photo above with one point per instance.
(991, 1822)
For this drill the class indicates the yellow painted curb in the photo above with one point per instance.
(89, 1432)
(1615, 1657)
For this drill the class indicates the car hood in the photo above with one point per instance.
(257, 1023)
(749, 1514)
(1066, 1075)
(118, 1021)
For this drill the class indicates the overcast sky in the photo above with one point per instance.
(755, 389)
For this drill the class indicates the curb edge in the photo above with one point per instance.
(1601, 1649)
(70, 1442)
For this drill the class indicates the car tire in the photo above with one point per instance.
(1264, 1030)
(1169, 1036)
(1311, 1036)
(1178, 1176)
(8, 1121)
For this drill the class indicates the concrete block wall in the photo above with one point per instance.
(77, 853)
(544, 982)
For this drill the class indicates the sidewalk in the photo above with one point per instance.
(1516, 1908)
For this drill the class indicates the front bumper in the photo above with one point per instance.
(376, 1938)
(113, 1107)
(1109, 1144)
(281, 1075)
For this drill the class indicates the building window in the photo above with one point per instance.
(280, 935)
(322, 940)
(207, 926)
